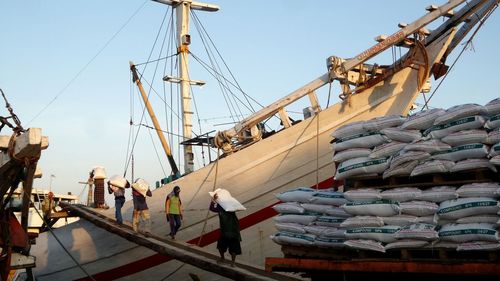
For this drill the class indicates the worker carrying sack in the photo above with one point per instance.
(141, 186)
(226, 201)
(117, 181)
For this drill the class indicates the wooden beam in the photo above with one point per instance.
(284, 118)
(185, 253)
(436, 267)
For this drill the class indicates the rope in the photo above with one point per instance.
(208, 211)
(317, 150)
(469, 42)
(60, 243)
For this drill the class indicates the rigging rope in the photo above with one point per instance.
(213, 189)
(469, 42)
(60, 243)
(63, 90)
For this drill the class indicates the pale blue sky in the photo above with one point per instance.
(272, 48)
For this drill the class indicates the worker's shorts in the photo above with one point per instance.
(233, 244)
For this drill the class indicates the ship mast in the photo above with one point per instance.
(183, 9)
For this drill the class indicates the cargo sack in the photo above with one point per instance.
(363, 194)
(329, 221)
(407, 156)
(385, 234)
(472, 164)
(495, 160)
(418, 208)
(141, 186)
(363, 140)
(363, 244)
(495, 150)
(431, 146)
(118, 182)
(487, 189)
(399, 220)
(328, 197)
(316, 208)
(493, 122)
(304, 219)
(418, 231)
(290, 227)
(493, 107)
(466, 137)
(438, 194)
(467, 123)
(351, 153)
(403, 169)
(354, 128)
(379, 123)
(401, 135)
(464, 207)
(99, 172)
(289, 208)
(226, 201)
(301, 194)
(493, 136)
(328, 242)
(422, 120)
(372, 208)
(325, 231)
(387, 149)
(462, 152)
(288, 238)
(362, 221)
(360, 166)
(479, 246)
(432, 167)
(401, 194)
(468, 232)
(491, 219)
(406, 244)
(460, 111)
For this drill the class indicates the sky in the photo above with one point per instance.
(64, 67)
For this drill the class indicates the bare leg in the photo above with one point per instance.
(233, 259)
(222, 259)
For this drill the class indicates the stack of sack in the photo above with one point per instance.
(431, 141)
(470, 222)
(309, 217)
(466, 218)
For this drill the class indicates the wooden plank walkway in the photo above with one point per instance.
(183, 252)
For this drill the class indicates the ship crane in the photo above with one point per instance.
(354, 72)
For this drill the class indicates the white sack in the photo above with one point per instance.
(351, 153)
(363, 244)
(365, 140)
(372, 208)
(401, 135)
(99, 172)
(289, 208)
(467, 123)
(459, 111)
(363, 194)
(301, 194)
(418, 231)
(141, 186)
(418, 208)
(423, 119)
(387, 149)
(438, 194)
(362, 221)
(473, 164)
(360, 166)
(493, 107)
(466, 137)
(432, 167)
(464, 207)
(386, 234)
(487, 189)
(468, 232)
(401, 194)
(461, 152)
(226, 201)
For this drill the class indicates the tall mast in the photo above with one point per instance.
(183, 10)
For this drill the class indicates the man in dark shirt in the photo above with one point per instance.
(141, 209)
(229, 231)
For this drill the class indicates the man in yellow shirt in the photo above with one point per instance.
(173, 210)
